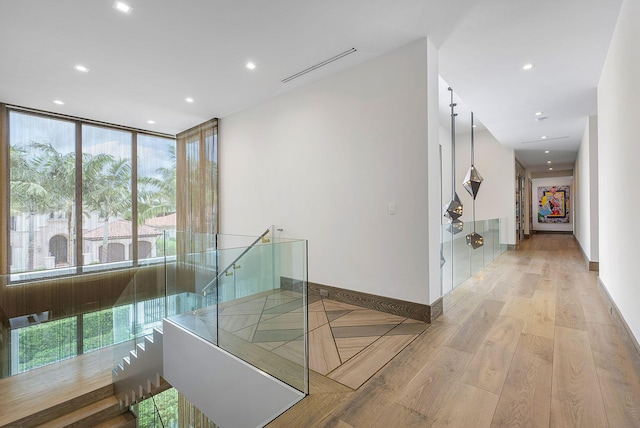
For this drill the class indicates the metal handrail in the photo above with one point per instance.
(246, 250)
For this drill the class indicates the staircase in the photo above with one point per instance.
(99, 408)
(138, 375)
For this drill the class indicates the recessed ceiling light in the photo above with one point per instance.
(474, 126)
(251, 66)
(538, 113)
(82, 68)
(60, 103)
(189, 99)
(122, 7)
(548, 161)
(544, 137)
(546, 151)
(528, 66)
(550, 169)
(151, 122)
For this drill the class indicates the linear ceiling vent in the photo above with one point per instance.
(321, 64)
(542, 140)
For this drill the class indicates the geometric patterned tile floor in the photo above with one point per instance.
(347, 343)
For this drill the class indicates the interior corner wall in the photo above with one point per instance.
(618, 155)
(497, 165)
(586, 191)
(434, 171)
(327, 161)
(552, 181)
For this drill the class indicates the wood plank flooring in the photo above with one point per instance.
(527, 342)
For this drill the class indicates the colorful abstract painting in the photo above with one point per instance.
(553, 204)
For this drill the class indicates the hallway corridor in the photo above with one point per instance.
(526, 342)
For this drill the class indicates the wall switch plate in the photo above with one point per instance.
(393, 207)
(324, 293)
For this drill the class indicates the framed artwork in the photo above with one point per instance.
(553, 204)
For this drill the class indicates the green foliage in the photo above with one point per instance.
(52, 341)
(98, 329)
(166, 248)
(165, 410)
(46, 343)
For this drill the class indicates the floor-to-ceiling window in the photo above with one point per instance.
(83, 196)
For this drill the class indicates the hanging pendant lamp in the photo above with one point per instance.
(453, 210)
(473, 179)
(472, 183)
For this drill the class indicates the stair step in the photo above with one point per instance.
(62, 408)
(125, 420)
(88, 415)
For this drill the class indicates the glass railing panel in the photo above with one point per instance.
(191, 284)
(461, 255)
(476, 255)
(57, 317)
(446, 259)
(265, 323)
(489, 237)
(159, 410)
(460, 260)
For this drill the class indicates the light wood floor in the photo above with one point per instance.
(526, 342)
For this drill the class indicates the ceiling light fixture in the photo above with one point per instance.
(538, 113)
(251, 66)
(548, 161)
(546, 151)
(189, 99)
(122, 7)
(528, 66)
(59, 102)
(81, 68)
(550, 169)
(151, 122)
(544, 137)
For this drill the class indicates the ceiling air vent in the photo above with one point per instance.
(320, 64)
(544, 140)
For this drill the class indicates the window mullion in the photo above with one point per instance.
(77, 234)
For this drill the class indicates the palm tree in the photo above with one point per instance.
(157, 196)
(106, 190)
(30, 191)
(60, 171)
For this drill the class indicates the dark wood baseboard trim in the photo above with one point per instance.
(625, 331)
(527, 236)
(403, 308)
(561, 232)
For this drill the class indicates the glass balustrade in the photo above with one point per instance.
(459, 261)
(246, 295)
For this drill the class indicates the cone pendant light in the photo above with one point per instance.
(453, 209)
(472, 183)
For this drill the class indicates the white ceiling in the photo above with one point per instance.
(144, 65)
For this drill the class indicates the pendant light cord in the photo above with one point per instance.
(472, 162)
(453, 146)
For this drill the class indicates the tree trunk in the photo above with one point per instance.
(105, 241)
(32, 239)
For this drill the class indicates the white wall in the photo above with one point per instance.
(325, 161)
(586, 191)
(234, 394)
(618, 156)
(497, 165)
(552, 181)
